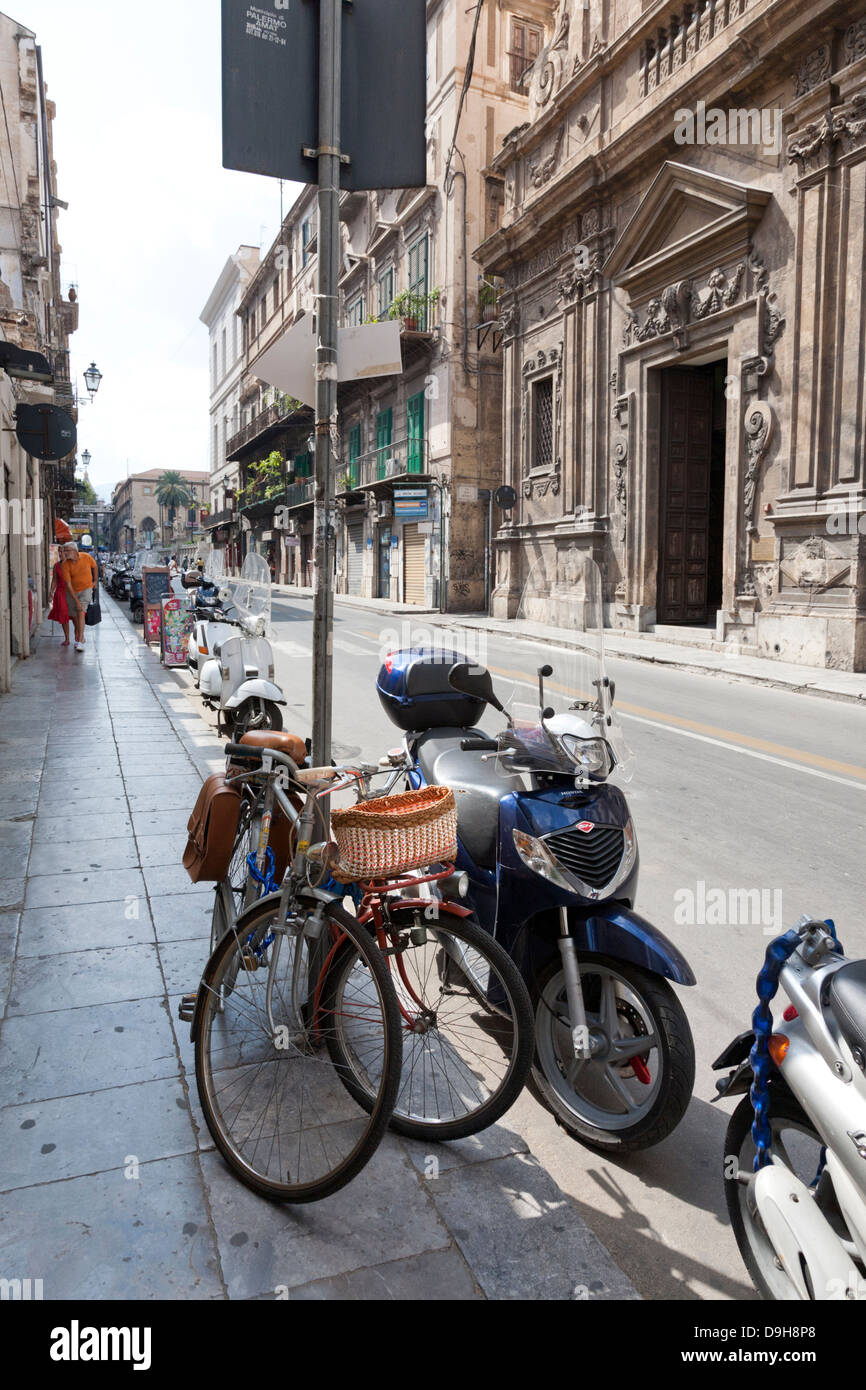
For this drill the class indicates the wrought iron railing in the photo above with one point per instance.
(298, 494)
(403, 458)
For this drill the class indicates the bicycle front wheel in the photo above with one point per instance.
(468, 1036)
(271, 1096)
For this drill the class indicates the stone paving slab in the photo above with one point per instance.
(8, 935)
(69, 1137)
(182, 916)
(172, 879)
(436, 1276)
(12, 892)
(158, 850)
(49, 829)
(56, 931)
(78, 978)
(95, 886)
(517, 1231)
(96, 852)
(87, 1049)
(113, 1237)
(381, 1215)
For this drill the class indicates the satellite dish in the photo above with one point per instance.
(45, 431)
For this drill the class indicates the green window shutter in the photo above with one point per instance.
(303, 466)
(415, 433)
(417, 256)
(384, 425)
(354, 453)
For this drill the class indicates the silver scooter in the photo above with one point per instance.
(238, 680)
(795, 1151)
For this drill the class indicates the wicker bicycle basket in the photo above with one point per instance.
(391, 834)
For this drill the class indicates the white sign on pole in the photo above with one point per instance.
(371, 350)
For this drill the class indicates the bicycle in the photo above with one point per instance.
(465, 1011)
(280, 986)
(245, 881)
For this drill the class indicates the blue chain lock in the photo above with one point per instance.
(268, 879)
(778, 953)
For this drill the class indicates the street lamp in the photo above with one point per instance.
(85, 459)
(92, 379)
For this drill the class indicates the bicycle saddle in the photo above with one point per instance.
(290, 744)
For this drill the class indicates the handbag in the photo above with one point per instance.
(93, 614)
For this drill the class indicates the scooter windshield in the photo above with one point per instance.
(251, 596)
(144, 559)
(562, 717)
(215, 567)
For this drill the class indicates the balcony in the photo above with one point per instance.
(300, 494)
(404, 460)
(224, 518)
(273, 417)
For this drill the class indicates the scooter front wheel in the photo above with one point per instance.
(634, 1090)
(798, 1145)
(254, 714)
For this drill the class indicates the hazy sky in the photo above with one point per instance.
(152, 215)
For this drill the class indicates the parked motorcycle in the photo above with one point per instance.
(144, 559)
(551, 856)
(795, 1149)
(238, 680)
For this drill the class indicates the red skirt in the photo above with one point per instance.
(59, 609)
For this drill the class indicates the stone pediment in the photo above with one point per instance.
(688, 220)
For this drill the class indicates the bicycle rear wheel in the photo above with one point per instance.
(468, 1035)
(270, 1094)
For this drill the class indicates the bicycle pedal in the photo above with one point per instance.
(186, 1008)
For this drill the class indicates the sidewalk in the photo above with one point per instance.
(633, 646)
(111, 1186)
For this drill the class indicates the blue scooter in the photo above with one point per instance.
(550, 859)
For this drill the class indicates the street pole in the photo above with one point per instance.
(330, 34)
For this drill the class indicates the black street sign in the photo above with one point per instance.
(45, 431)
(270, 90)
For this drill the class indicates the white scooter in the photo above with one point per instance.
(210, 600)
(795, 1151)
(238, 681)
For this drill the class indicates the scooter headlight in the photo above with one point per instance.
(591, 755)
(537, 857)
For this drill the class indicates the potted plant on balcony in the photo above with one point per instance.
(412, 308)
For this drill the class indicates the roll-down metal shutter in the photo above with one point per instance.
(355, 555)
(414, 550)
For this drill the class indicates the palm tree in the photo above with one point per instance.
(172, 492)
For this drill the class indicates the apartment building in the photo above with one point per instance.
(34, 316)
(420, 454)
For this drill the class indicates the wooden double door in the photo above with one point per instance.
(691, 494)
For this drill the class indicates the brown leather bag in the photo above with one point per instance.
(212, 829)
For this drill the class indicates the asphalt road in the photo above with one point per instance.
(734, 787)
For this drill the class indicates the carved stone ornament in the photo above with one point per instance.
(758, 424)
(816, 564)
(855, 42)
(543, 169)
(620, 467)
(840, 130)
(814, 69)
(680, 303)
(578, 280)
(550, 66)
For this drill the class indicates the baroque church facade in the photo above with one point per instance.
(681, 247)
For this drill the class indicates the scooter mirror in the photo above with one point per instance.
(475, 681)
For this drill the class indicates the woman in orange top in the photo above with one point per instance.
(80, 575)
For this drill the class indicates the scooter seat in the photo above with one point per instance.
(478, 784)
(290, 744)
(846, 996)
